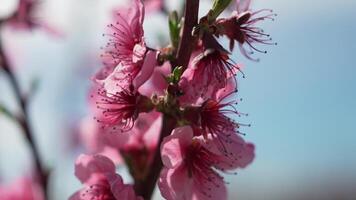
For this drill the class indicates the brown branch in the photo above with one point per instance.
(146, 187)
(24, 121)
(187, 41)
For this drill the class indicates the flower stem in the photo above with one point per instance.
(24, 122)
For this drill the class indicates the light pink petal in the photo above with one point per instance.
(119, 79)
(230, 87)
(76, 196)
(232, 153)
(151, 136)
(91, 168)
(23, 188)
(242, 5)
(121, 190)
(157, 82)
(153, 5)
(139, 52)
(137, 17)
(175, 184)
(147, 69)
(174, 146)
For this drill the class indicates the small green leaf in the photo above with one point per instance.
(6, 112)
(174, 28)
(218, 7)
(174, 77)
(177, 73)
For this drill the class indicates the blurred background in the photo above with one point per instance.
(301, 96)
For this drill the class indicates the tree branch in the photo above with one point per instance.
(187, 41)
(146, 187)
(23, 120)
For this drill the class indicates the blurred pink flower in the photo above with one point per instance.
(191, 164)
(24, 188)
(24, 18)
(153, 5)
(97, 173)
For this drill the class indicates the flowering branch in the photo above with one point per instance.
(145, 188)
(197, 139)
(23, 120)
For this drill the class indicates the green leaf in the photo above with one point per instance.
(174, 28)
(6, 112)
(177, 73)
(174, 77)
(218, 7)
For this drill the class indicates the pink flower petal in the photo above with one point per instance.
(173, 146)
(238, 153)
(175, 184)
(91, 168)
(147, 69)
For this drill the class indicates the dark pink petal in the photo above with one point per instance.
(209, 189)
(92, 168)
(173, 146)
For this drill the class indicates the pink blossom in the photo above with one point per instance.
(124, 76)
(191, 164)
(121, 109)
(206, 74)
(126, 55)
(241, 27)
(92, 137)
(97, 173)
(23, 188)
(212, 119)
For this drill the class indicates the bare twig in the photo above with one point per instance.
(24, 121)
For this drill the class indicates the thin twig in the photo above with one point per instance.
(23, 120)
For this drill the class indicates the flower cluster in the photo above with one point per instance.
(168, 123)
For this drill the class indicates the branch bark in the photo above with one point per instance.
(187, 41)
